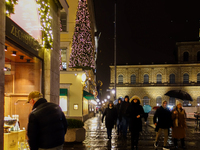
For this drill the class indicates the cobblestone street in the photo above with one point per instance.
(96, 138)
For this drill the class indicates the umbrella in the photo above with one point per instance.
(179, 94)
(147, 108)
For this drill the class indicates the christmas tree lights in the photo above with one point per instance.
(82, 55)
(10, 4)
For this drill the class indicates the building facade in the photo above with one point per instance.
(79, 85)
(29, 60)
(151, 82)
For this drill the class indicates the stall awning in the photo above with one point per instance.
(63, 92)
(88, 96)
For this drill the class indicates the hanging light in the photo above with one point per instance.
(6, 48)
(14, 53)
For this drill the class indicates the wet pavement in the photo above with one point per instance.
(96, 137)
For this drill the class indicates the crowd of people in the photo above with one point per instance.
(128, 114)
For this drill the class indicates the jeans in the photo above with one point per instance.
(125, 123)
(119, 126)
(109, 131)
(55, 148)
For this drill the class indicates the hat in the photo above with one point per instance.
(34, 94)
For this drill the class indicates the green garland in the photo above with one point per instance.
(10, 4)
(45, 19)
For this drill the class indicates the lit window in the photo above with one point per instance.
(172, 101)
(145, 100)
(172, 78)
(185, 78)
(146, 79)
(159, 78)
(63, 21)
(158, 101)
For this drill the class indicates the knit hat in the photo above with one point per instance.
(34, 94)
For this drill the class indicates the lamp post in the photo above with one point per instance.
(115, 50)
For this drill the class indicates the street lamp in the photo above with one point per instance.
(97, 100)
(108, 97)
(113, 91)
(105, 100)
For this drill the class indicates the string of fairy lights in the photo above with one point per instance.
(45, 19)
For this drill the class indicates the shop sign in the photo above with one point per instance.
(21, 37)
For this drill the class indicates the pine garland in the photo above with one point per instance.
(10, 4)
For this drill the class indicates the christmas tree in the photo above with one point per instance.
(82, 55)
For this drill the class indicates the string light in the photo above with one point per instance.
(45, 18)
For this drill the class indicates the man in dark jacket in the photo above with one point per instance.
(162, 120)
(119, 116)
(125, 119)
(47, 124)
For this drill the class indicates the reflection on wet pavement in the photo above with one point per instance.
(96, 137)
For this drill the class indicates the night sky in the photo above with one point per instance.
(147, 31)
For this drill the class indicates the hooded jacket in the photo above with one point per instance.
(111, 116)
(163, 115)
(47, 125)
(124, 106)
(133, 111)
(118, 107)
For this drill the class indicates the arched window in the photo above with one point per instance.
(172, 101)
(145, 100)
(120, 79)
(198, 78)
(198, 56)
(185, 78)
(172, 78)
(159, 78)
(133, 79)
(158, 101)
(185, 56)
(146, 78)
(198, 100)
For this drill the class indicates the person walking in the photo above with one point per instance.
(125, 119)
(110, 115)
(119, 116)
(47, 124)
(135, 112)
(179, 125)
(163, 121)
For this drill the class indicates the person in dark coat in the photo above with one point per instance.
(135, 112)
(125, 119)
(47, 124)
(111, 116)
(119, 116)
(162, 120)
(179, 125)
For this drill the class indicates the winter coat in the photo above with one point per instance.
(162, 117)
(179, 123)
(111, 117)
(118, 108)
(124, 107)
(132, 112)
(47, 125)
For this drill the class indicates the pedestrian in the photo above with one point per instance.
(110, 115)
(135, 112)
(162, 120)
(179, 125)
(145, 118)
(119, 116)
(125, 119)
(47, 124)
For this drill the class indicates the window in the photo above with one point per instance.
(198, 78)
(158, 101)
(186, 103)
(120, 79)
(63, 59)
(185, 78)
(133, 79)
(145, 100)
(198, 56)
(159, 78)
(171, 78)
(63, 21)
(146, 79)
(198, 100)
(172, 101)
(185, 56)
